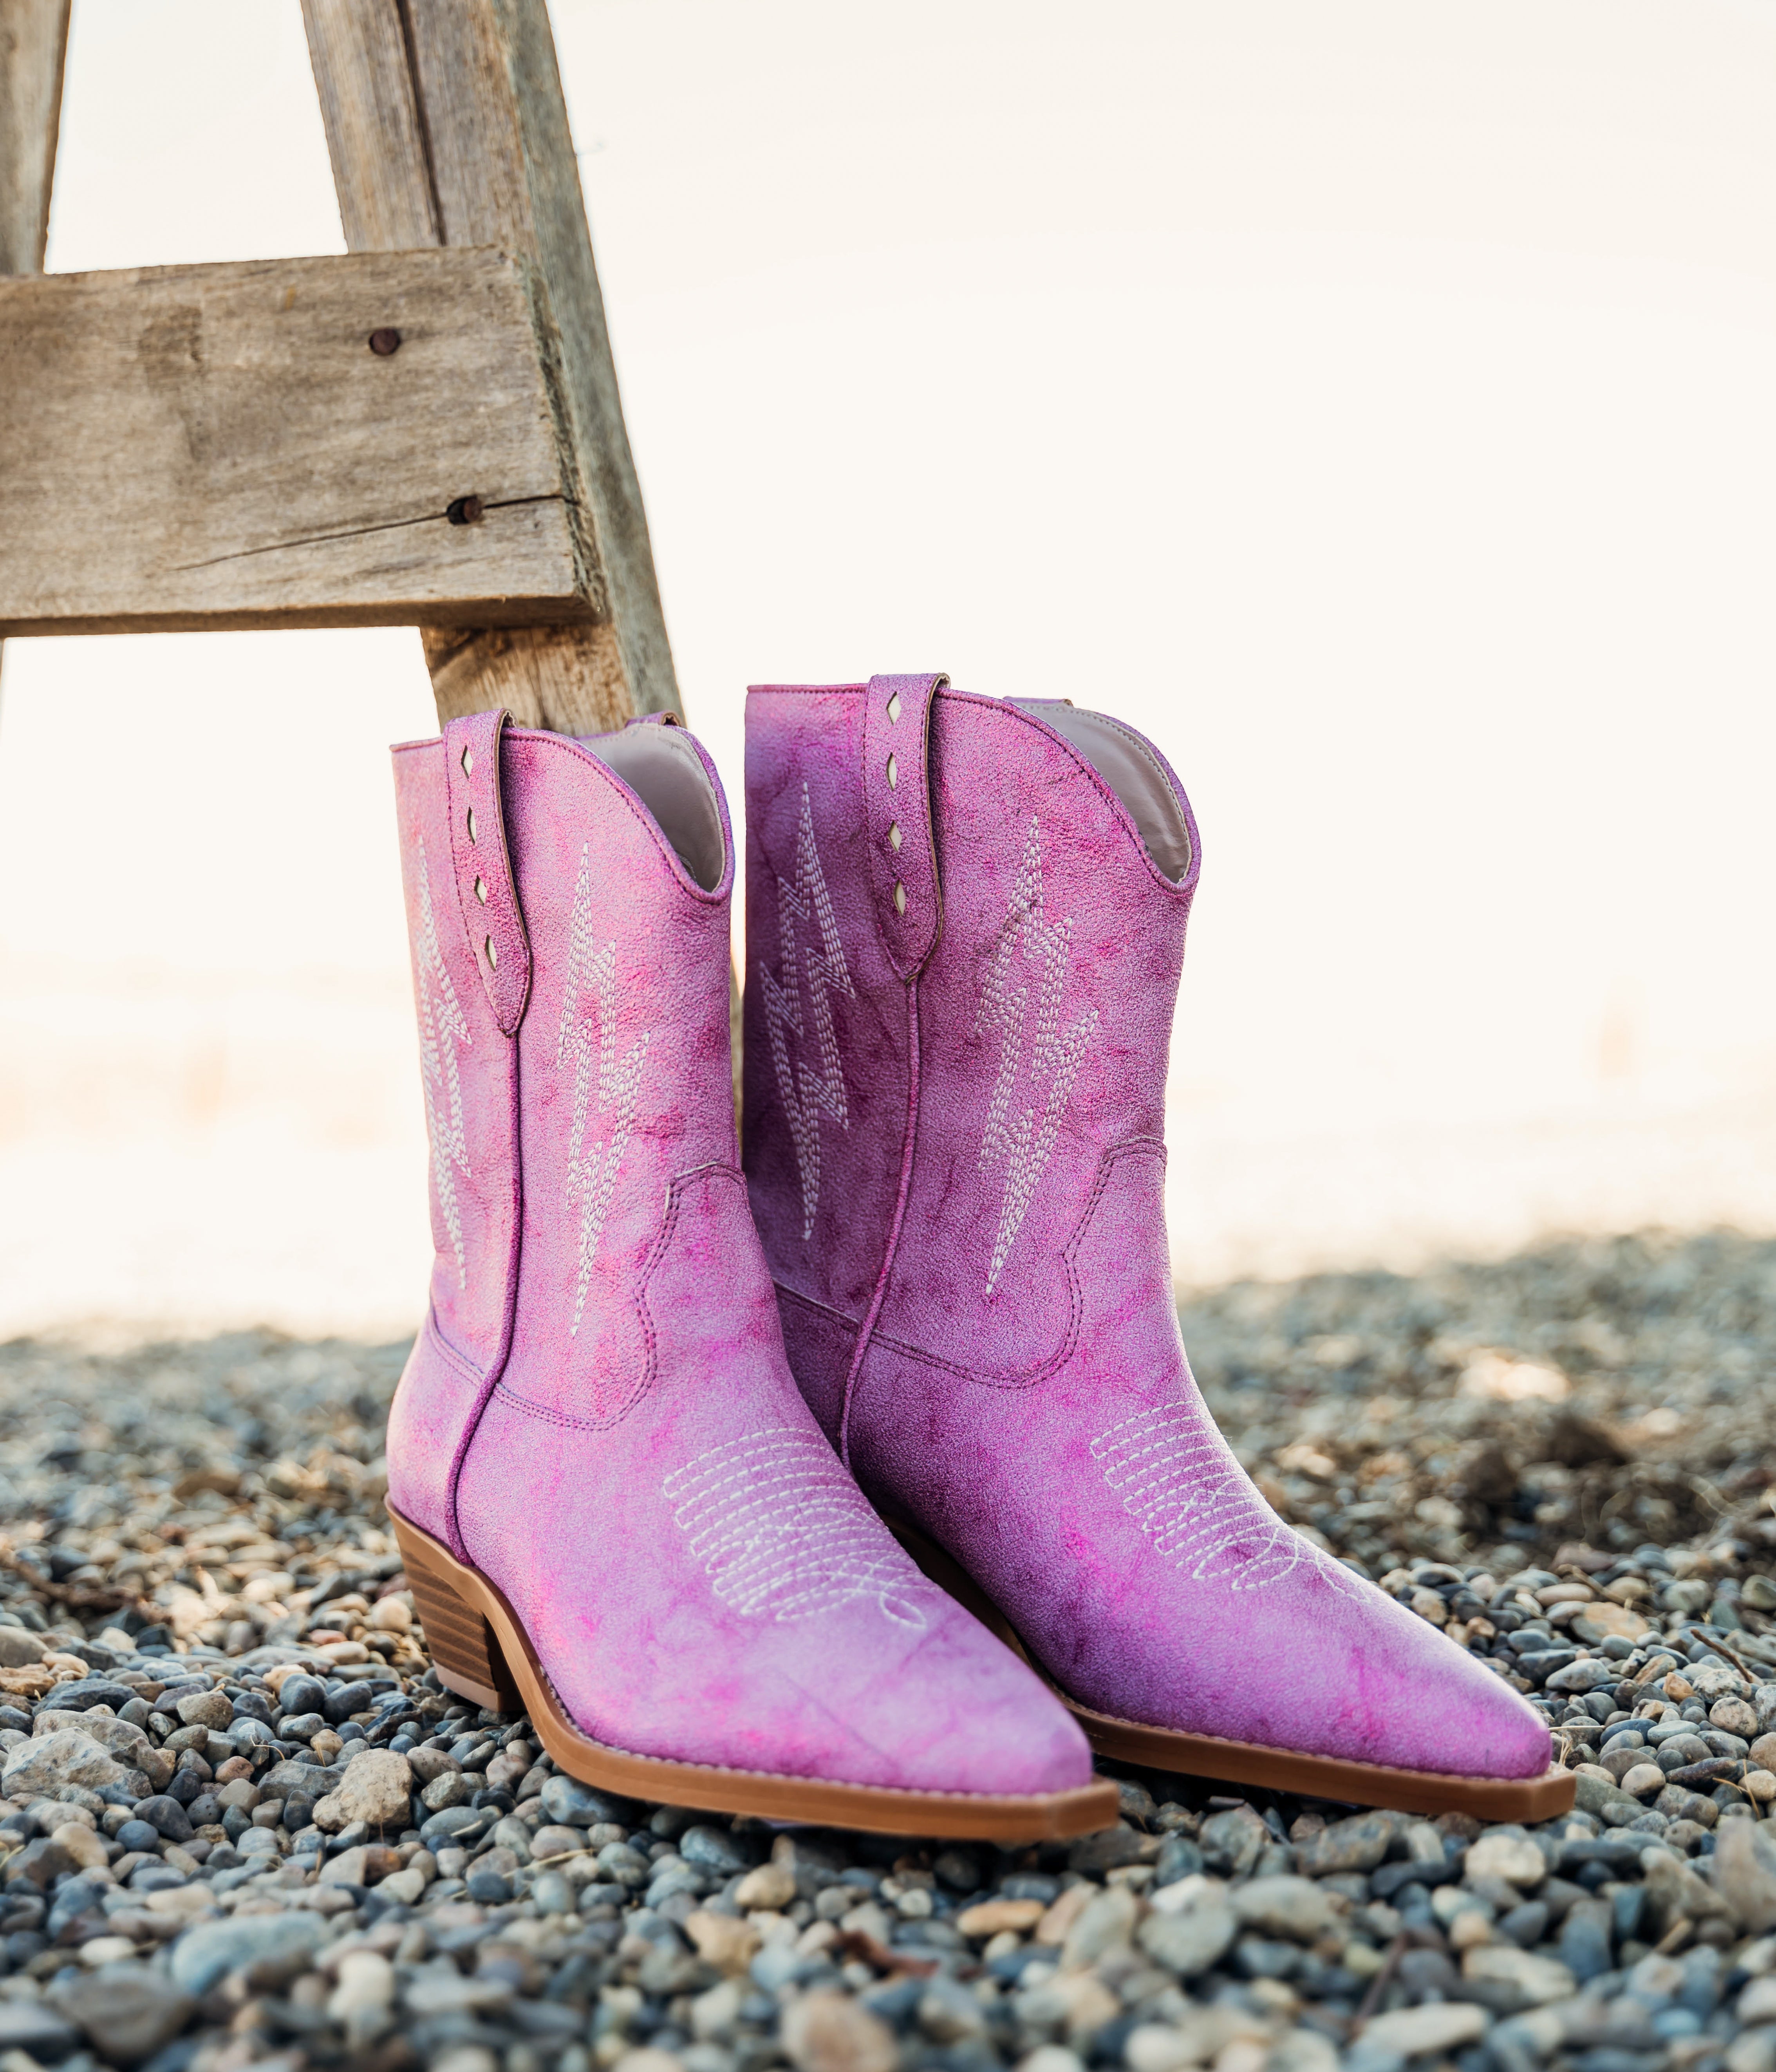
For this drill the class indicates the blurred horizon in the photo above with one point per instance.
(1373, 407)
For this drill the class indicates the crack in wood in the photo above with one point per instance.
(404, 13)
(360, 532)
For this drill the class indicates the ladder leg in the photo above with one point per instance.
(33, 53)
(446, 124)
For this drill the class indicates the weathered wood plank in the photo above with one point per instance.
(567, 678)
(220, 446)
(33, 47)
(372, 123)
(487, 109)
(33, 56)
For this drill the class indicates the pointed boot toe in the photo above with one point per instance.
(964, 1719)
(1432, 1706)
(1369, 1685)
(966, 922)
(615, 1508)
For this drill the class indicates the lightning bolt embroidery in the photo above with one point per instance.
(1024, 1144)
(817, 1089)
(442, 1026)
(592, 1169)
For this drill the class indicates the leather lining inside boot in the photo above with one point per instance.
(660, 767)
(1128, 766)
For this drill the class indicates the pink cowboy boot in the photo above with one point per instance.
(612, 1504)
(965, 930)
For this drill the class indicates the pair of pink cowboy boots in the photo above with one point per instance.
(642, 1455)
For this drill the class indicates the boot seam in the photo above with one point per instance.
(487, 1381)
(1131, 1147)
(866, 1330)
(821, 1309)
(453, 1354)
(565, 1421)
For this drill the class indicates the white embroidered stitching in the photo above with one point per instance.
(1181, 1484)
(784, 1531)
(442, 1026)
(1025, 1146)
(816, 1090)
(592, 1174)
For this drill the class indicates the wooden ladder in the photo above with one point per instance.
(426, 432)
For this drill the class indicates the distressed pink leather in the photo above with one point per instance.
(956, 1168)
(598, 1415)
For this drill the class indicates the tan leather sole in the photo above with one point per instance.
(484, 1654)
(1526, 1799)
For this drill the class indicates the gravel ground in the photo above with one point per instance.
(242, 1823)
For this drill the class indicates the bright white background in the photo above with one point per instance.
(1373, 403)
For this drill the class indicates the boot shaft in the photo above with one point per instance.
(964, 1217)
(960, 1049)
(567, 910)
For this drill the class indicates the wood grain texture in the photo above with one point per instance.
(567, 678)
(563, 245)
(33, 56)
(360, 56)
(218, 445)
(484, 99)
(33, 47)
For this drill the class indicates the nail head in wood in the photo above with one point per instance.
(385, 341)
(464, 511)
